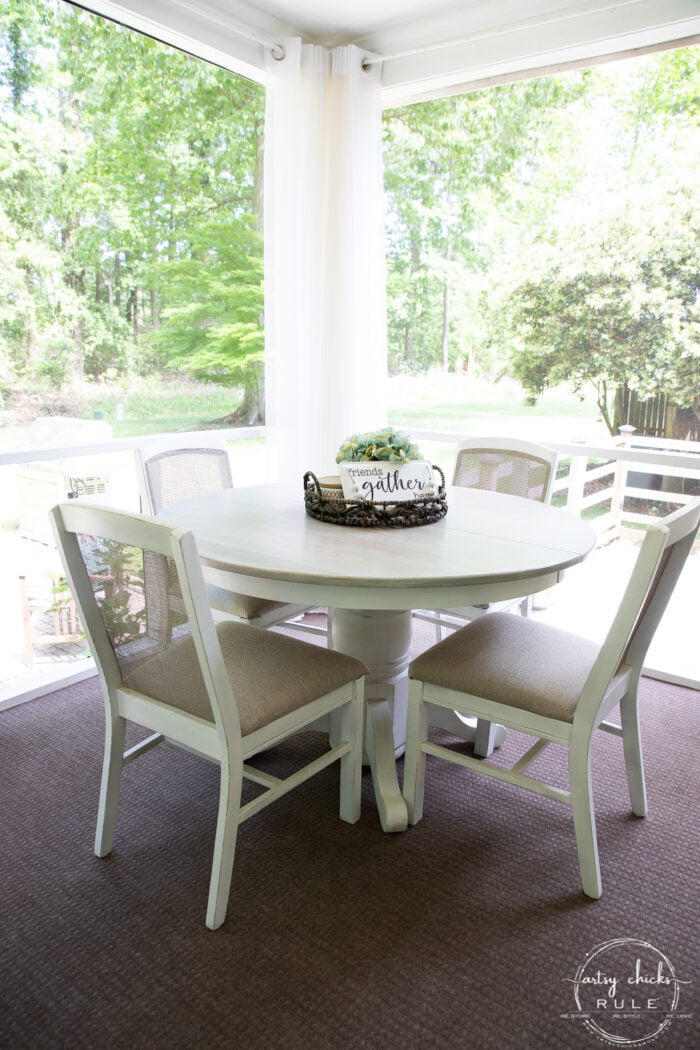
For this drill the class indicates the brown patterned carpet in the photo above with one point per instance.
(459, 933)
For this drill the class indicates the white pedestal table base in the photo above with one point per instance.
(382, 640)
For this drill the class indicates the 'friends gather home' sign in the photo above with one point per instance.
(387, 482)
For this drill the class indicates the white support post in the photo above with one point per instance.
(619, 485)
(577, 479)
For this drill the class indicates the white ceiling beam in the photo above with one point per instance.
(480, 82)
(231, 40)
(493, 45)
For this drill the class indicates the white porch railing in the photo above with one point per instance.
(588, 486)
(34, 454)
(597, 481)
(593, 475)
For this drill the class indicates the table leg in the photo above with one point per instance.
(485, 735)
(380, 638)
(379, 746)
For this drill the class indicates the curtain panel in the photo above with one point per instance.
(325, 292)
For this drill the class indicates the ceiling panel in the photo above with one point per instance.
(331, 20)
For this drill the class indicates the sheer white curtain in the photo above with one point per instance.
(325, 303)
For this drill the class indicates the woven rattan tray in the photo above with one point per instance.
(363, 514)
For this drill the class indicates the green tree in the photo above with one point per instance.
(173, 154)
(611, 298)
(213, 325)
(621, 316)
(449, 167)
(116, 154)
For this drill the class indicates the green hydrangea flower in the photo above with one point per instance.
(387, 445)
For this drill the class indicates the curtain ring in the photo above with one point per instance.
(278, 52)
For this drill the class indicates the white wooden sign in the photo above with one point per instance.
(387, 482)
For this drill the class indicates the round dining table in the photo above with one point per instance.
(259, 541)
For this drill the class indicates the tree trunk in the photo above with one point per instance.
(155, 315)
(79, 357)
(602, 401)
(445, 340)
(409, 347)
(248, 414)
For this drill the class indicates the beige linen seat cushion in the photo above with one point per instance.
(512, 660)
(270, 674)
(242, 605)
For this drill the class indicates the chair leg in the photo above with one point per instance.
(584, 819)
(225, 842)
(414, 759)
(632, 744)
(347, 724)
(484, 737)
(112, 765)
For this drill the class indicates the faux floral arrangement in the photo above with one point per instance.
(387, 445)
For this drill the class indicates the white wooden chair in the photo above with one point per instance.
(224, 692)
(167, 475)
(552, 685)
(501, 464)
(516, 468)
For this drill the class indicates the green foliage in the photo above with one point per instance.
(19, 69)
(449, 166)
(60, 594)
(622, 315)
(130, 197)
(386, 445)
(212, 328)
(546, 228)
(118, 156)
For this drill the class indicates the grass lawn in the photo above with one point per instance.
(168, 407)
(459, 404)
(433, 401)
(148, 406)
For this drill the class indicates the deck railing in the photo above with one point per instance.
(656, 472)
(606, 481)
(630, 480)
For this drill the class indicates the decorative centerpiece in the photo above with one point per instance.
(387, 445)
(382, 481)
